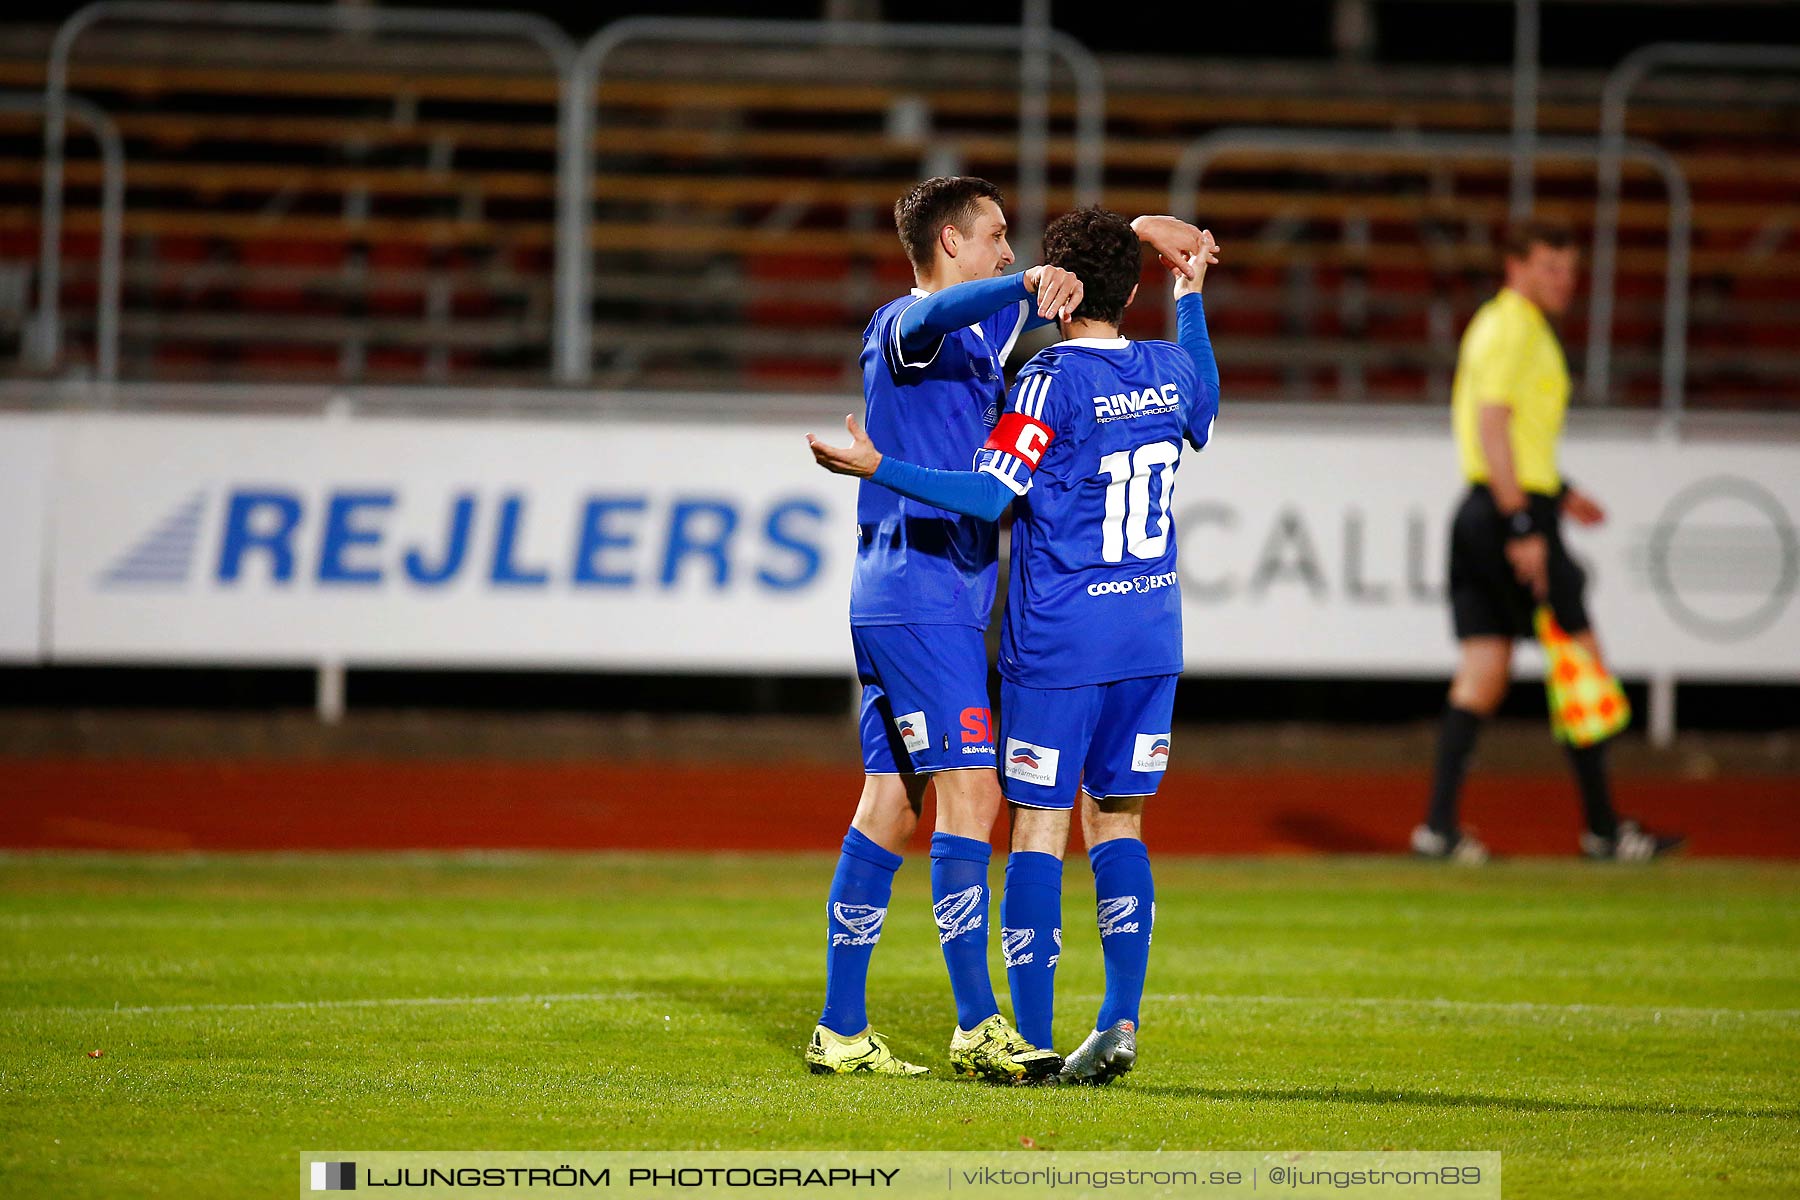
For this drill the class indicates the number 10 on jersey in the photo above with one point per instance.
(1128, 507)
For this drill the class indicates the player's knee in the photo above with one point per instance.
(968, 802)
(1040, 831)
(1478, 693)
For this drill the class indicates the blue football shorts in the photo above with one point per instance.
(925, 701)
(1109, 739)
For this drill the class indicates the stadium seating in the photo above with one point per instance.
(307, 221)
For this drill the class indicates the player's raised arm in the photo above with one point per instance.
(925, 322)
(1175, 241)
(1190, 332)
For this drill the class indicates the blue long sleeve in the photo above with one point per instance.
(1190, 332)
(971, 493)
(958, 307)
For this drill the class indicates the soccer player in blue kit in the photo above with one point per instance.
(921, 591)
(1091, 645)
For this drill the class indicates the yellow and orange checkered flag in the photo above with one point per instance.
(1587, 705)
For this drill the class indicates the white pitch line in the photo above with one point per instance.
(1641, 1011)
(312, 1005)
(1652, 1011)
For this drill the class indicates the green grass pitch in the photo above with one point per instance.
(1612, 1032)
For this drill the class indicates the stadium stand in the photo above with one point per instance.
(380, 216)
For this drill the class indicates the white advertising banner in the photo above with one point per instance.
(1315, 549)
(1326, 552)
(26, 457)
(254, 539)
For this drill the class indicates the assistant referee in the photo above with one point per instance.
(1506, 548)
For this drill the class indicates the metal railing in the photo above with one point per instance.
(539, 31)
(1614, 99)
(112, 232)
(1184, 191)
(575, 253)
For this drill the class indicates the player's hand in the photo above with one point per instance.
(1190, 277)
(1175, 241)
(1058, 292)
(1582, 508)
(859, 458)
(1530, 559)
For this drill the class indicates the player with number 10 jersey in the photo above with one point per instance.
(1087, 455)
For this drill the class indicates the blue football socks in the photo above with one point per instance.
(959, 899)
(1031, 939)
(1126, 910)
(854, 913)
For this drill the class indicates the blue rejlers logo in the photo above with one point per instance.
(334, 1177)
(165, 555)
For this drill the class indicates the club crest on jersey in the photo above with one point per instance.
(913, 732)
(1030, 763)
(1135, 403)
(1112, 914)
(1015, 945)
(862, 921)
(958, 913)
(1151, 752)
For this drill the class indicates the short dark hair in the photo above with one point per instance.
(1521, 236)
(1099, 246)
(934, 203)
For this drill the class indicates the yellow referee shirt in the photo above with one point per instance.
(1510, 356)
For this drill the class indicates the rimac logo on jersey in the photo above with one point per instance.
(1151, 752)
(1112, 914)
(958, 913)
(913, 732)
(1015, 946)
(1031, 764)
(1132, 404)
(863, 922)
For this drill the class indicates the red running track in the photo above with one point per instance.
(387, 805)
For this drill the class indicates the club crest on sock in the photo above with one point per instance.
(1015, 946)
(1057, 934)
(861, 921)
(1112, 914)
(959, 913)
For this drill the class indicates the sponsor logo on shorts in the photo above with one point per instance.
(862, 921)
(1030, 763)
(913, 732)
(1112, 915)
(977, 725)
(1151, 753)
(958, 913)
(1015, 946)
(1133, 587)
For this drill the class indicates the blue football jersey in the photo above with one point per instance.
(917, 564)
(1091, 443)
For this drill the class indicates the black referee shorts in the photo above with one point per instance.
(1486, 598)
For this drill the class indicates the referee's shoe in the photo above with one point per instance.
(1461, 847)
(1630, 843)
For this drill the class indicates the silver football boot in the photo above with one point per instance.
(1105, 1055)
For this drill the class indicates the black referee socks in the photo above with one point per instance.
(1589, 763)
(1456, 741)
